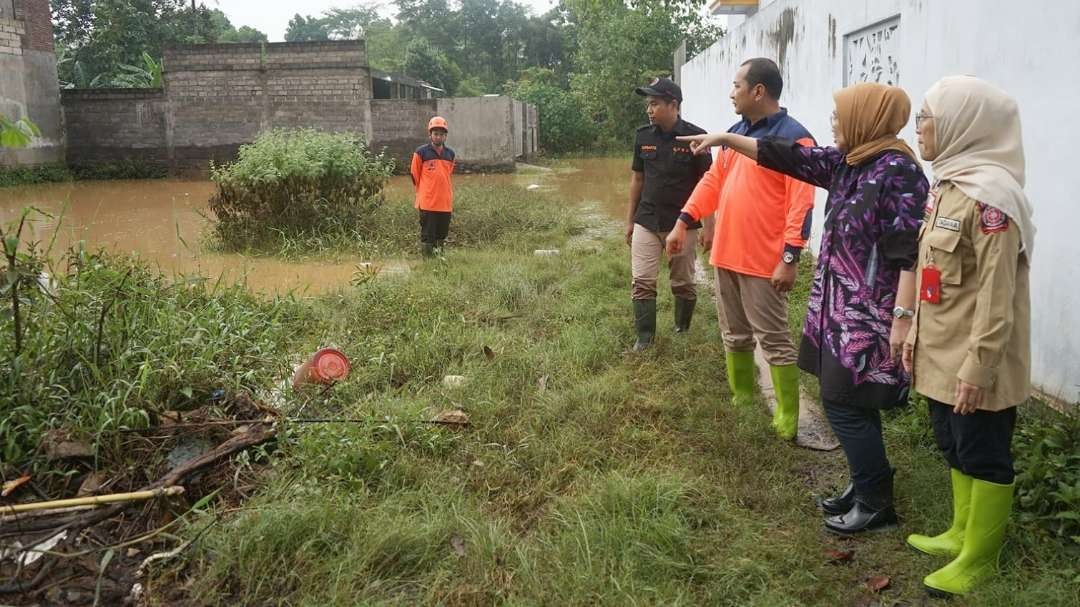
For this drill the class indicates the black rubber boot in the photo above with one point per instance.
(871, 511)
(427, 249)
(644, 323)
(838, 504)
(684, 311)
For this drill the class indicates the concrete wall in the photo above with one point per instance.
(399, 126)
(28, 84)
(105, 125)
(1025, 48)
(486, 133)
(482, 131)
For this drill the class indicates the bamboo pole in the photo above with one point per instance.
(113, 498)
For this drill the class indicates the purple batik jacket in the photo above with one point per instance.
(872, 217)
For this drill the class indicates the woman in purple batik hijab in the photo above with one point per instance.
(864, 287)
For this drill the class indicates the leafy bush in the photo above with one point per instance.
(564, 124)
(1047, 451)
(28, 175)
(296, 182)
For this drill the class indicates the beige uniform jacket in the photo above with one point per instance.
(980, 331)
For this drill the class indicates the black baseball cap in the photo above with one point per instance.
(661, 87)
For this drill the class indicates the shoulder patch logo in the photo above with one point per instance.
(992, 220)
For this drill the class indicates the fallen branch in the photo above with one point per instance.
(14, 518)
(259, 433)
(112, 498)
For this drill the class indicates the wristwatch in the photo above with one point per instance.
(788, 257)
(901, 312)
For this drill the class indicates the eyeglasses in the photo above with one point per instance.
(921, 118)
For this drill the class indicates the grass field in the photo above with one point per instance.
(586, 476)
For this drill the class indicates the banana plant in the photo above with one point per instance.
(147, 75)
(17, 133)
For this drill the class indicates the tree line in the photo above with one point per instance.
(578, 62)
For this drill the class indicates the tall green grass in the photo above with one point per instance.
(108, 343)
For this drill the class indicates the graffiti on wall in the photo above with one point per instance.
(871, 54)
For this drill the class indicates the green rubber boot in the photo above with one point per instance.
(740, 376)
(785, 379)
(983, 536)
(644, 323)
(951, 541)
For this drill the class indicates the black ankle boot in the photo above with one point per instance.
(838, 504)
(871, 511)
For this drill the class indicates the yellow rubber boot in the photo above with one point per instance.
(786, 385)
(951, 541)
(983, 536)
(740, 376)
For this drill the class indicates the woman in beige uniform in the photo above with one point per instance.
(968, 348)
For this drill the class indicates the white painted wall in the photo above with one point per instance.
(1027, 48)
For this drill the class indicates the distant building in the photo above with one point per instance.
(393, 85)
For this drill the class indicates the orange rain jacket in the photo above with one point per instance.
(759, 212)
(431, 173)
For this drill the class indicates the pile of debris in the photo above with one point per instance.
(86, 535)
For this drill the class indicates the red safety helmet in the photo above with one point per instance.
(437, 122)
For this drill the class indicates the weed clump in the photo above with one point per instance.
(295, 183)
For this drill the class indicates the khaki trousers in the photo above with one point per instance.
(749, 307)
(646, 250)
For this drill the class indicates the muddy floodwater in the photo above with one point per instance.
(165, 221)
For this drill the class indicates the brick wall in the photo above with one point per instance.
(115, 124)
(28, 85)
(37, 16)
(11, 35)
(221, 96)
(218, 97)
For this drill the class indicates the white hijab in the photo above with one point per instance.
(980, 148)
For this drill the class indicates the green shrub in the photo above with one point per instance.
(29, 175)
(1047, 447)
(128, 168)
(565, 125)
(296, 182)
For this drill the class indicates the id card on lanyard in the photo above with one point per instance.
(930, 284)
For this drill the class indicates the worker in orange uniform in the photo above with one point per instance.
(432, 166)
(762, 223)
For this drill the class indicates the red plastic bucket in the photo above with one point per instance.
(327, 366)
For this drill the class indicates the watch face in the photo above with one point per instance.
(789, 257)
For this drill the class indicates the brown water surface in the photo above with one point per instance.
(164, 221)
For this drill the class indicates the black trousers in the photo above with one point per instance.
(977, 444)
(859, 431)
(434, 226)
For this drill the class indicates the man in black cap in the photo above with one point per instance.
(664, 174)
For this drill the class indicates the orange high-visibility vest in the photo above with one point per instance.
(431, 171)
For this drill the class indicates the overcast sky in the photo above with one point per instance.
(272, 16)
